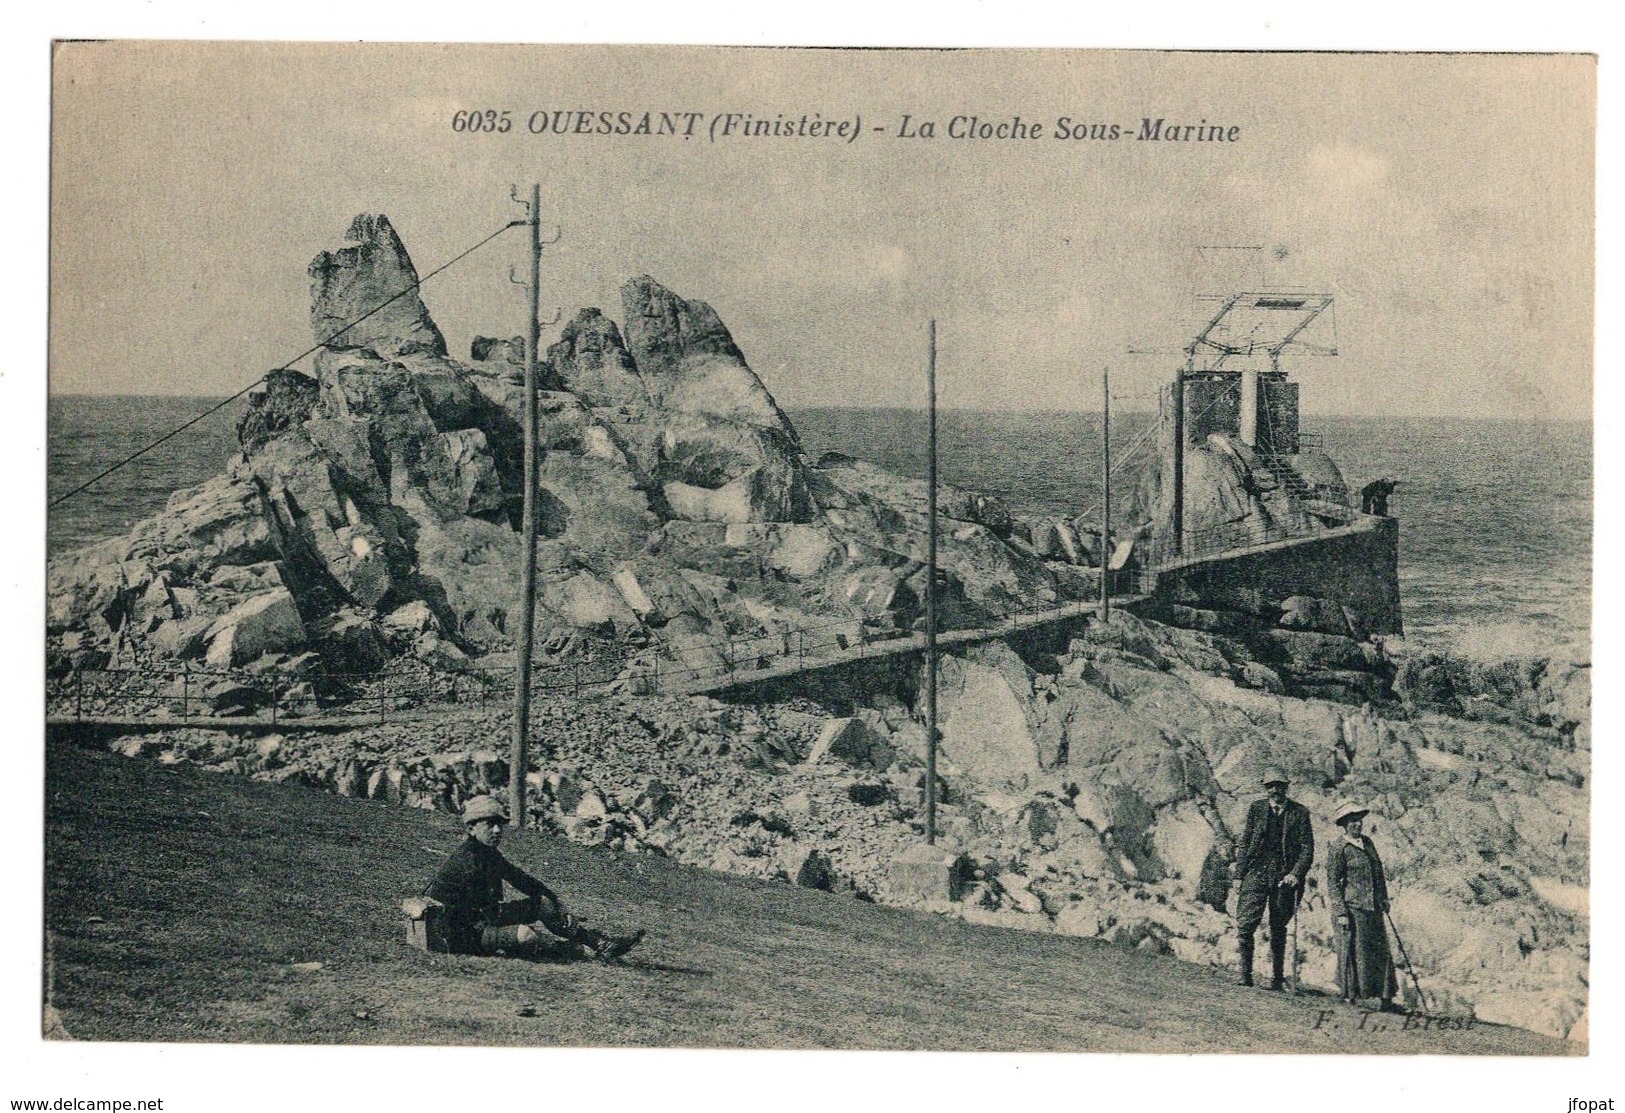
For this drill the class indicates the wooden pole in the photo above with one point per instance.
(931, 597)
(519, 757)
(1106, 493)
(1179, 451)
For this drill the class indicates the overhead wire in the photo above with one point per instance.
(138, 453)
(1145, 434)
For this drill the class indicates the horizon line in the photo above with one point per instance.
(1118, 408)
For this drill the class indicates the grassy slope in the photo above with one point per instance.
(210, 887)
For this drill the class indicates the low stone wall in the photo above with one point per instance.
(1358, 568)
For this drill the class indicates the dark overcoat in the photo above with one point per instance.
(1294, 854)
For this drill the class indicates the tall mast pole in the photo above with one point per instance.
(1179, 448)
(931, 597)
(519, 759)
(1106, 492)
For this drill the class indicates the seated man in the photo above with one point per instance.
(479, 922)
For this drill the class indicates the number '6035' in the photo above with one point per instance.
(487, 119)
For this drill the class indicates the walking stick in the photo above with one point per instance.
(1409, 969)
(1295, 951)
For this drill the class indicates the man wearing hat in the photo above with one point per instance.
(478, 921)
(1272, 861)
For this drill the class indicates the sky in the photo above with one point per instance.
(1445, 202)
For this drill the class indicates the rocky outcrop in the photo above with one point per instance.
(357, 279)
(688, 361)
(673, 496)
(592, 363)
(1551, 693)
(265, 623)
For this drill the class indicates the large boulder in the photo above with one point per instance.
(876, 593)
(753, 497)
(591, 361)
(356, 384)
(657, 593)
(89, 589)
(467, 482)
(802, 552)
(267, 623)
(355, 280)
(221, 521)
(593, 505)
(316, 510)
(688, 361)
(100, 589)
(986, 717)
(1183, 839)
(754, 473)
(853, 741)
(586, 602)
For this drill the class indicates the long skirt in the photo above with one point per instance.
(1365, 967)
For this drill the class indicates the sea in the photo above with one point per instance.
(1495, 515)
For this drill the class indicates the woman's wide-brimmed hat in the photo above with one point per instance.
(1349, 810)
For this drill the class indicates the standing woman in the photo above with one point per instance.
(1358, 893)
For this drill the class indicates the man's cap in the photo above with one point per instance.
(1274, 774)
(1348, 810)
(484, 807)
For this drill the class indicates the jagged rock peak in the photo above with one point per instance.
(590, 332)
(591, 360)
(356, 279)
(663, 329)
(688, 359)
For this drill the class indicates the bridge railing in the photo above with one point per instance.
(1326, 516)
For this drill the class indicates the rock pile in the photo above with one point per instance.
(373, 511)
